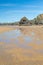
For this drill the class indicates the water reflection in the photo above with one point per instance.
(6, 36)
(19, 35)
(14, 37)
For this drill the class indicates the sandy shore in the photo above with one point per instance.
(8, 28)
(13, 55)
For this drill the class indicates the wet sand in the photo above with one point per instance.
(7, 28)
(21, 45)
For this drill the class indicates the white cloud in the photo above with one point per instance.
(31, 6)
(20, 5)
(34, 6)
(7, 4)
(24, 11)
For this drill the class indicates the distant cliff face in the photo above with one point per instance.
(39, 19)
(36, 21)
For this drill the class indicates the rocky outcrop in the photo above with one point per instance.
(36, 21)
(24, 21)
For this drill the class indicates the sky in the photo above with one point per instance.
(14, 10)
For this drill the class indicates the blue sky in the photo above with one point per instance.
(14, 10)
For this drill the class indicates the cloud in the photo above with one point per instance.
(34, 6)
(7, 4)
(24, 11)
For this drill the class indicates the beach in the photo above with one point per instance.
(21, 45)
